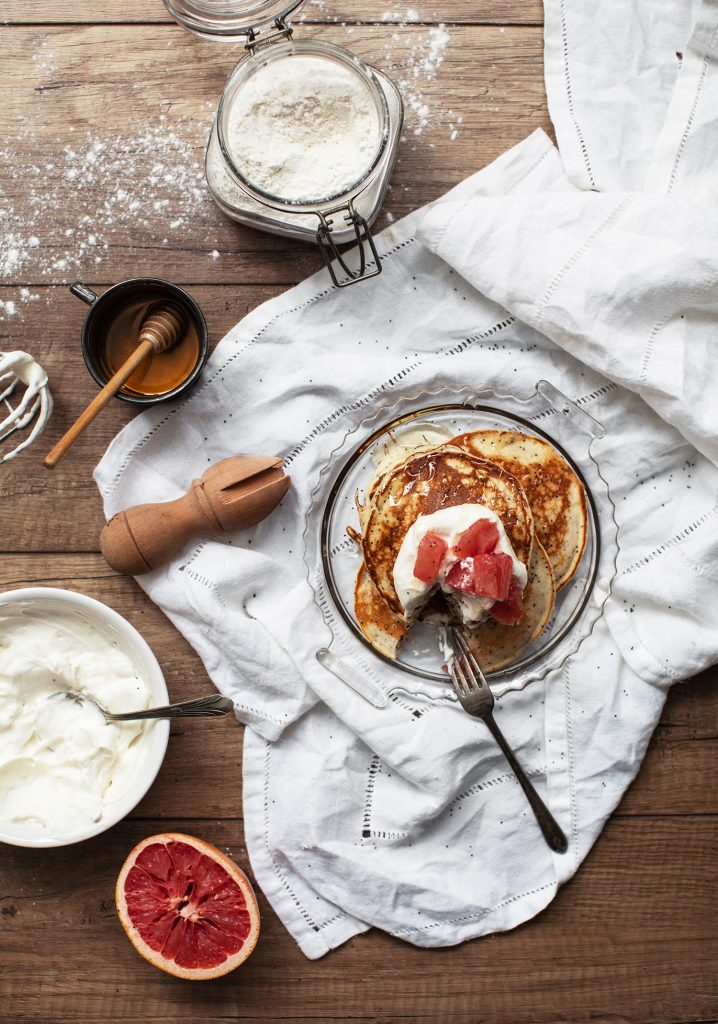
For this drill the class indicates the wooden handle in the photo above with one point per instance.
(98, 403)
(146, 536)
(159, 331)
(234, 494)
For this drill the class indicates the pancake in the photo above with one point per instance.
(382, 627)
(429, 480)
(555, 493)
(392, 456)
(494, 645)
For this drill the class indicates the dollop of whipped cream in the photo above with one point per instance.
(449, 524)
(61, 765)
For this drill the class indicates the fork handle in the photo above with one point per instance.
(552, 831)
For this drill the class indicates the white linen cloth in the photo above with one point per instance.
(610, 68)
(357, 814)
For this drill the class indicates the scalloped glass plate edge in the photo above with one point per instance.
(349, 655)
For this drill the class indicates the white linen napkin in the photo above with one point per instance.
(616, 285)
(610, 68)
(404, 816)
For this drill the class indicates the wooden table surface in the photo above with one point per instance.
(104, 115)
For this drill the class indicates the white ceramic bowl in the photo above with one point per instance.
(157, 732)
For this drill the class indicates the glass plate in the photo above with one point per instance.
(333, 559)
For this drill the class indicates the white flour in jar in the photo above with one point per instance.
(303, 128)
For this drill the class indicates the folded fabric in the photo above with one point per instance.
(686, 154)
(617, 285)
(610, 69)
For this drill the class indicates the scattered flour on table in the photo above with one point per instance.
(43, 57)
(406, 17)
(11, 307)
(101, 189)
(313, 9)
(413, 72)
(61, 217)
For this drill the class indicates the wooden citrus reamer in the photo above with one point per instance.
(162, 329)
(234, 494)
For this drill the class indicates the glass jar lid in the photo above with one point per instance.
(232, 19)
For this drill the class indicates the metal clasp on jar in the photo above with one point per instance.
(281, 31)
(364, 239)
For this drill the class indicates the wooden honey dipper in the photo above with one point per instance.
(161, 329)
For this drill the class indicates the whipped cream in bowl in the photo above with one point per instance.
(65, 774)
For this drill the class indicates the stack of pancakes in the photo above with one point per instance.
(521, 478)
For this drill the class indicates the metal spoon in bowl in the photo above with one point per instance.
(201, 707)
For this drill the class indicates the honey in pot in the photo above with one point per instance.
(117, 337)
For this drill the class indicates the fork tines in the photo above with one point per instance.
(468, 671)
(458, 676)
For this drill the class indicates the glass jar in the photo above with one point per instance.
(340, 215)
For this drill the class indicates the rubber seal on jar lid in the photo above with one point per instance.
(234, 19)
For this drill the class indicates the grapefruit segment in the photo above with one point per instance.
(429, 556)
(483, 575)
(504, 574)
(509, 612)
(480, 539)
(186, 907)
(461, 575)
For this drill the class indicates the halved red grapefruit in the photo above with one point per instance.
(186, 907)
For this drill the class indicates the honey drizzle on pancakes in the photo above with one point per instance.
(426, 482)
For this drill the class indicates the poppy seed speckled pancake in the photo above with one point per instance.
(494, 645)
(382, 627)
(429, 480)
(393, 456)
(554, 491)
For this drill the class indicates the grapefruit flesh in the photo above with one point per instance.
(461, 575)
(504, 574)
(509, 612)
(483, 575)
(480, 539)
(429, 556)
(186, 907)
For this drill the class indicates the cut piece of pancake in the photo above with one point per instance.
(496, 646)
(429, 480)
(555, 493)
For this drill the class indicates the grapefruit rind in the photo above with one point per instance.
(156, 958)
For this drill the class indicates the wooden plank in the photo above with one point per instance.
(500, 12)
(679, 774)
(632, 937)
(680, 771)
(118, 190)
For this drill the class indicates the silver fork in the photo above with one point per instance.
(477, 699)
